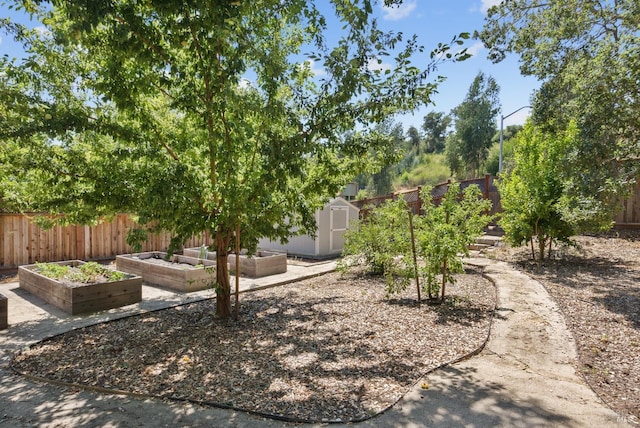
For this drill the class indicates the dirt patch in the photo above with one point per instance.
(328, 348)
(598, 289)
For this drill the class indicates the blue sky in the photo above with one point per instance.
(438, 21)
(433, 21)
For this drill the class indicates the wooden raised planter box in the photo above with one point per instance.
(262, 263)
(80, 298)
(180, 273)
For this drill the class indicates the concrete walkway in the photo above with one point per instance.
(525, 376)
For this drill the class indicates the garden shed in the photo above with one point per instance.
(332, 222)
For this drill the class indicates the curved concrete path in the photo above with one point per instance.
(525, 376)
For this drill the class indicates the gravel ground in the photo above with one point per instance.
(329, 348)
(598, 289)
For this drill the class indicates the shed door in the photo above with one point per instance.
(338, 226)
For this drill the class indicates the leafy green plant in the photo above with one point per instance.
(536, 195)
(85, 273)
(445, 232)
(52, 270)
(383, 241)
(429, 170)
(382, 244)
(146, 108)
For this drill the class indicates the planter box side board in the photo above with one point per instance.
(166, 275)
(263, 263)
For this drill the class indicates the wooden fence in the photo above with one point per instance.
(629, 215)
(23, 242)
(412, 197)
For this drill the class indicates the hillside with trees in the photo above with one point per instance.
(460, 144)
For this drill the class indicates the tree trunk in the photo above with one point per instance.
(413, 251)
(444, 278)
(542, 243)
(533, 252)
(223, 285)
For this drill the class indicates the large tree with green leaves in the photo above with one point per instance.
(436, 128)
(534, 195)
(475, 124)
(587, 53)
(200, 116)
(414, 140)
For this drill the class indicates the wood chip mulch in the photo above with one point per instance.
(598, 289)
(331, 348)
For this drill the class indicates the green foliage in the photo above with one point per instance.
(86, 273)
(145, 108)
(445, 232)
(431, 170)
(536, 195)
(492, 165)
(363, 194)
(475, 126)
(414, 141)
(436, 128)
(377, 179)
(587, 55)
(382, 241)
(453, 148)
(52, 270)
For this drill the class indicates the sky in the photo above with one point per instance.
(433, 21)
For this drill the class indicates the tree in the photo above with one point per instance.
(587, 53)
(376, 177)
(536, 197)
(412, 152)
(436, 128)
(381, 178)
(382, 242)
(445, 232)
(200, 117)
(475, 122)
(493, 161)
(415, 140)
(453, 149)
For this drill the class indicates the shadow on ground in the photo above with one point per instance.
(456, 397)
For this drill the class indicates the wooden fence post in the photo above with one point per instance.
(487, 180)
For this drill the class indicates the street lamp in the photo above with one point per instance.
(502, 118)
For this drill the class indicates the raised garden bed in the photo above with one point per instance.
(74, 297)
(262, 263)
(180, 273)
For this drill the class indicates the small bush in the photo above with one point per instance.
(382, 242)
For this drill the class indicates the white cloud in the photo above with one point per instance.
(315, 69)
(486, 4)
(42, 30)
(373, 64)
(475, 48)
(244, 83)
(395, 13)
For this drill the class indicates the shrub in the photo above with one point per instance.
(382, 242)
